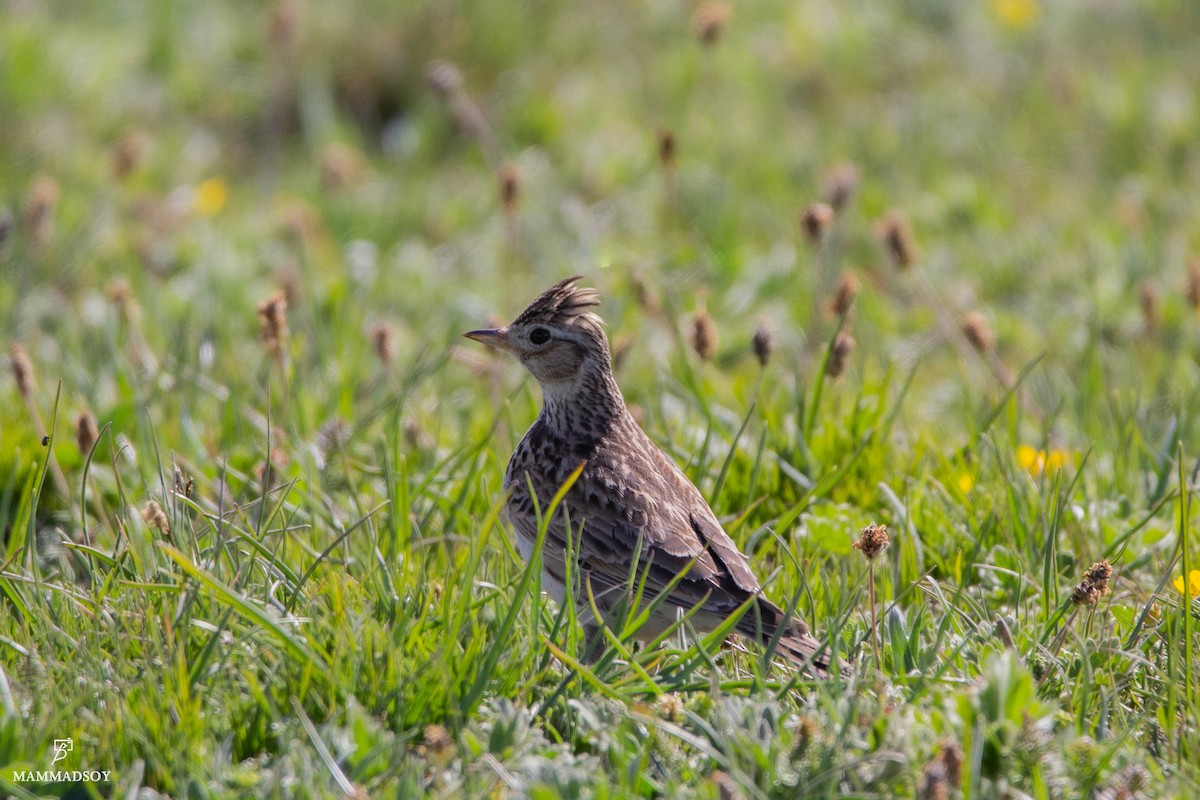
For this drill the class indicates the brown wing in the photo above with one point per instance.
(631, 492)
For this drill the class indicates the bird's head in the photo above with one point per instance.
(557, 338)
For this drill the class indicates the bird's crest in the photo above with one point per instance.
(564, 303)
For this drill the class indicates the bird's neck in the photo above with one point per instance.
(586, 407)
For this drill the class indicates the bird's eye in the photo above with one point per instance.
(539, 335)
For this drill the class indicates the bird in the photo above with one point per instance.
(635, 520)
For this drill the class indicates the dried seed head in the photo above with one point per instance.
(1148, 300)
(272, 313)
(1094, 584)
(184, 484)
(843, 299)
(816, 220)
(416, 436)
(839, 353)
(284, 25)
(840, 184)
(621, 350)
(710, 20)
(444, 78)
(1003, 633)
(155, 517)
(6, 224)
(727, 788)
(645, 295)
(704, 335)
(666, 149)
(287, 275)
(22, 370)
(127, 154)
(86, 432)
(1193, 284)
(872, 540)
(952, 758)
(121, 296)
(934, 785)
(333, 436)
(382, 343)
(38, 217)
(897, 239)
(341, 165)
(438, 741)
(670, 706)
(510, 188)
(266, 472)
(976, 330)
(762, 343)
(300, 221)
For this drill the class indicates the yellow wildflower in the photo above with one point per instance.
(1015, 15)
(1036, 462)
(1193, 584)
(965, 483)
(211, 196)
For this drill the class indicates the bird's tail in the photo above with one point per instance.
(796, 644)
(806, 652)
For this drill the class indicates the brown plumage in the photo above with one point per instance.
(629, 494)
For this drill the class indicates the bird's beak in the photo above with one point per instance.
(492, 337)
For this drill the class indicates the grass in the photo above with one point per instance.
(277, 569)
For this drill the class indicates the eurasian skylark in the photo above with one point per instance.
(629, 494)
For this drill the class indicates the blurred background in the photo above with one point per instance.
(427, 164)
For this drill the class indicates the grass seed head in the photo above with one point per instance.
(416, 436)
(283, 26)
(934, 785)
(840, 184)
(976, 330)
(621, 349)
(645, 295)
(6, 224)
(444, 78)
(872, 540)
(1094, 585)
(667, 147)
(898, 240)
(439, 745)
(1148, 301)
(272, 314)
(815, 221)
(710, 20)
(727, 788)
(847, 290)
(1193, 284)
(38, 217)
(155, 517)
(382, 342)
(333, 436)
(839, 354)
(704, 335)
(86, 432)
(22, 370)
(762, 343)
(341, 166)
(510, 188)
(670, 706)
(120, 295)
(952, 758)
(287, 275)
(127, 154)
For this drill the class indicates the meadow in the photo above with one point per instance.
(930, 265)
